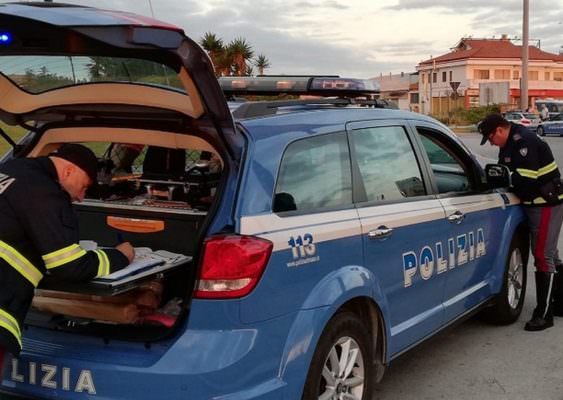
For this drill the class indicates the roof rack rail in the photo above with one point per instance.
(253, 109)
(297, 85)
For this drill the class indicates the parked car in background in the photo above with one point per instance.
(529, 120)
(553, 106)
(551, 126)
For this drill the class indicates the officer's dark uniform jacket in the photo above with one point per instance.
(38, 237)
(535, 175)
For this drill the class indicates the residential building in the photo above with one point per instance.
(475, 65)
(401, 88)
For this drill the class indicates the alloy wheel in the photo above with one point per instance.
(515, 278)
(343, 372)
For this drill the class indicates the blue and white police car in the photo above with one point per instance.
(306, 243)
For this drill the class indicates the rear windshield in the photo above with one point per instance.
(36, 74)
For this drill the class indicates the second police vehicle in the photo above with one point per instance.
(307, 242)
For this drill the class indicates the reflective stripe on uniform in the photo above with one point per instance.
(11, 325)
(527, 173)
(103, 266)
(63, 256)
(533, 174)
(20, 263)
(547, 169)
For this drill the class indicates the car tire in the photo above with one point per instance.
(344, 341)
(508, 304)
(541, 132)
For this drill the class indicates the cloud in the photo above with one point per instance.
(351, 37)
(499, 8)
(324, 4)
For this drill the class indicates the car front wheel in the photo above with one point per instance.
(509, 302)
(341, 368)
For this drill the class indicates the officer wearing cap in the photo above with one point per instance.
(537, 181)
(39, 233)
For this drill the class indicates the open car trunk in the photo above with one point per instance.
(145, 99)
(155, 190)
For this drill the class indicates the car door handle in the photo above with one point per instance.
(456, 218)
(380, 233)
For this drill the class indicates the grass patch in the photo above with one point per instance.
(15, 132)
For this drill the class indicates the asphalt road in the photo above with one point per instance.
(474, 360)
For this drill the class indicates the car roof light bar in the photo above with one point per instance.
(325, 86)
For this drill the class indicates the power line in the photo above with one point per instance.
(150, 5)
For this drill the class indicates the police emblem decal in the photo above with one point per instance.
(524, 151)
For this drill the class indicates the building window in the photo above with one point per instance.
(434, 77)
(444, 76)
(414, 98)
(473, 101)
(547, 76)
(451, 76)
(533, 75)
(558, 76)
(502, 74)
(422, 78)
(481, 74)
(515, 74)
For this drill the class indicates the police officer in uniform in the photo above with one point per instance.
(537, 181)
(39, 233)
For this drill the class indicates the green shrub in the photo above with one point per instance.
(13, 132)
(473, 115)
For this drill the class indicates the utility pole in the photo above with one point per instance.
(430, 81)
(524, 78)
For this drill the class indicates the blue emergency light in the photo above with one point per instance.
(5, 38)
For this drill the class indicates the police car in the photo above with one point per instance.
(311, 240)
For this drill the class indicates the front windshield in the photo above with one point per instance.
(37, 74)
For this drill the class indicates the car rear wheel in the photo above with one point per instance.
(541, 132)
(342, 364)
(509, 302)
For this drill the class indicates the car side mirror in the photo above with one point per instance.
(498, 175)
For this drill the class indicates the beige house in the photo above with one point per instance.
(400, 88)
(475, 64)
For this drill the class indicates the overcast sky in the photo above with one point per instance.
(356, 38)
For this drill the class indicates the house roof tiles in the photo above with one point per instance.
(491, 48)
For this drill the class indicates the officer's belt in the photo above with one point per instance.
(540, 200)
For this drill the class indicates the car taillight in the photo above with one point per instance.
(525, 121)
(232, 266)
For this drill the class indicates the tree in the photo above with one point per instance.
(234, 58)
(241, 51)
(261, 63)
(215, 49)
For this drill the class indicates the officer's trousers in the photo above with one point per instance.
(545, 226)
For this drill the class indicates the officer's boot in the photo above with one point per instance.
(542, 318)
(558, 292)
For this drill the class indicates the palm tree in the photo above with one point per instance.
(261, 63)
(224, 64)
(241, 51)
(215, 49)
